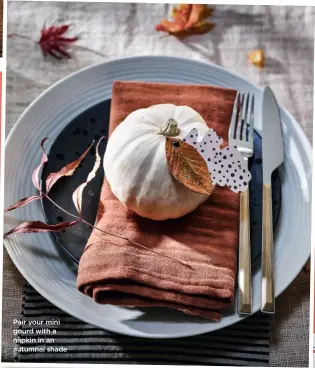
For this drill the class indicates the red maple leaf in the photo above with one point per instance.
(52, 41)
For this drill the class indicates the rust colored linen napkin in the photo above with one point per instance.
(115, 271)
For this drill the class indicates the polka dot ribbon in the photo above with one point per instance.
(227, 166)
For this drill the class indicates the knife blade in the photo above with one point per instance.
(273, 156)
(272, 141)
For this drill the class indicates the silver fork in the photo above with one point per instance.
(241, 135)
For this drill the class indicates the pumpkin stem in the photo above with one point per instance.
(170, 128)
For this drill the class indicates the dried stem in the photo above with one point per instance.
(170, 129)
(115, 235)
(88, 49)
(20, 36)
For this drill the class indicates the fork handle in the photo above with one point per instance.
(244, 268)
(267, 285)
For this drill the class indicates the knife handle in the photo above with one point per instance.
(267, 281)
(244, 266)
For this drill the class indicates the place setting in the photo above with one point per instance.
(170, 202)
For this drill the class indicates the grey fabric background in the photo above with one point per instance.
(108, 31)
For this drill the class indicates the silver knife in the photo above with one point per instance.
(273, 155)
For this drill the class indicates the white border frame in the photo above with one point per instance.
(3, 69)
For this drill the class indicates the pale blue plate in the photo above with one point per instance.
(43, 262)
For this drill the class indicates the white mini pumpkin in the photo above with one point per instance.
(135, 162)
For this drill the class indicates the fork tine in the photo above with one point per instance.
(234, 117)
(251, 115)
(239, 119)
(244, 123)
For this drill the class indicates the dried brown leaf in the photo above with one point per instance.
(182, 13)
(77, 194)
(35, 176)
(202, 27)
(67, 170)
(197, 13)
(174, 28)
(187, 19)
(39, 227)
(22, 202)
(188, 166)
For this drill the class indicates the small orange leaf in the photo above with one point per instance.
(188, 166)
(257, 57)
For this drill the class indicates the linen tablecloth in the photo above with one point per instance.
(245, 343)
(108, 31)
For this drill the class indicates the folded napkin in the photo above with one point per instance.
(115, 271)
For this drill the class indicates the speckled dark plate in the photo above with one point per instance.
(78, 135)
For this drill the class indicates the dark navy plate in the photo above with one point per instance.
(77, 136)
